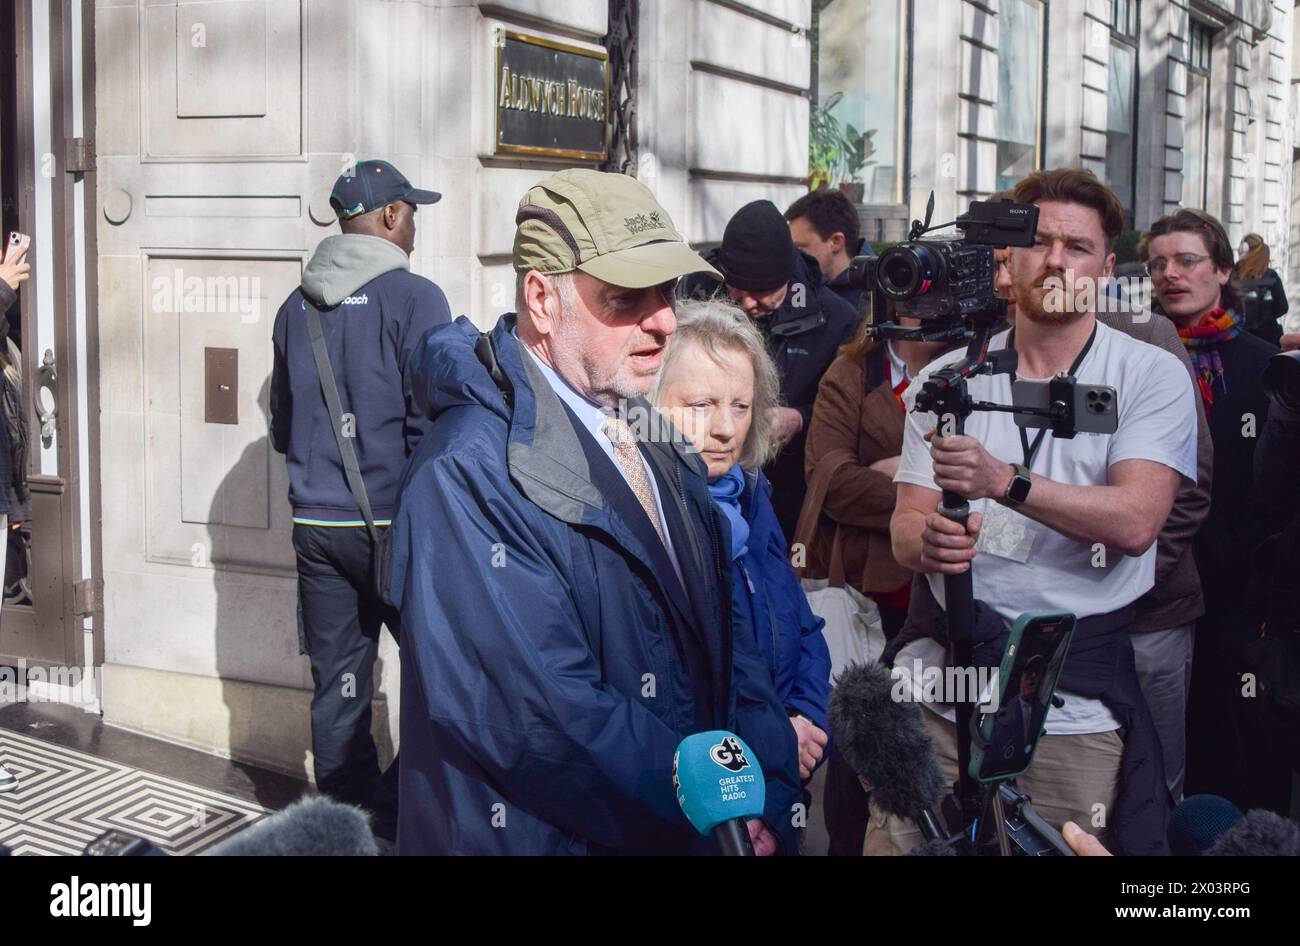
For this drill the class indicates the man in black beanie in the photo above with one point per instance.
(802, 319)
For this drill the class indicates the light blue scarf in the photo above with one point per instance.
(726, 494)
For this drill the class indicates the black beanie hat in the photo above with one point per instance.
(757, 252)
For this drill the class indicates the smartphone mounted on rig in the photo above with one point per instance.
(1005, 738)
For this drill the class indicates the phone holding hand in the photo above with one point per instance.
(17, 246)
(14, 269)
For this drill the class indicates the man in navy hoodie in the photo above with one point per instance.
(373, 312)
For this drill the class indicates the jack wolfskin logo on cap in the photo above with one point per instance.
(643, 222)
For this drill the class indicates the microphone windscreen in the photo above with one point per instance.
(717, 778)
(311, 827)
(1199, 821)
(882, 738)
(1259, 833)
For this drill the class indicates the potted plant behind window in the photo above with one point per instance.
(826, 145)
(837, 155)
(858, 150)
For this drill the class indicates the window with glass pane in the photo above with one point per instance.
(1020, 89)
(1120, 121)
(1196, 117)
(856, 137)
(1123, 17)
(1201, 44)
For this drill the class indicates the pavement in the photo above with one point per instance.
(78, 778)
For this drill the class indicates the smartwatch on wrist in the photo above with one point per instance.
(1018, 490)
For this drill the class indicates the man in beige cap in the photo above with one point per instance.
(559, 562)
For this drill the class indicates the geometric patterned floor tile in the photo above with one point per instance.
(66, 798)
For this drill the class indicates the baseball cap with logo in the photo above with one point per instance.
(374, 184)
(607, 225)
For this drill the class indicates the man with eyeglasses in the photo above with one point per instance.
(1190, 261)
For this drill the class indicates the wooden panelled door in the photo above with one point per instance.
(47, 191)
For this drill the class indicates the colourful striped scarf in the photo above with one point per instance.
(1202, 341)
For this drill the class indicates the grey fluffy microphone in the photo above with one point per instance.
(884, 741)
(1260, 833)
(310, 827)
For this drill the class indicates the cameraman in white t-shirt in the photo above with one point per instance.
(1058, 524)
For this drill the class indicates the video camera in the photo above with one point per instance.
(949, 280)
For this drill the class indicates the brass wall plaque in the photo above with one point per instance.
(552, 99)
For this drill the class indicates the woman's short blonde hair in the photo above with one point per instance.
(717, 325)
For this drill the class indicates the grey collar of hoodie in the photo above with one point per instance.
(345, 262)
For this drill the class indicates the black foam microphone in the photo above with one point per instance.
(883, 739)
(1198, 822)
(1260, 833)
(311, 827)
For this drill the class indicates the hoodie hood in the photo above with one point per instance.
(345, 262)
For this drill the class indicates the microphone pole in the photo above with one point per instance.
(733, 838)
(949, 401)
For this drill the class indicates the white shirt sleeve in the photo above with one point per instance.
(1157, 416)
(916, 466)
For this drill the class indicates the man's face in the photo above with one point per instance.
(829, 254)
(759, 305)
(403, 229)
(610, 343)
(1184, 277)
(1070, 250)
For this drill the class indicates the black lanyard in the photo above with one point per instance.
(1031, 450)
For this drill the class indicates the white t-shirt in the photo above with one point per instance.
(1022, 565)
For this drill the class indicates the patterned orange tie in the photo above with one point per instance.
(628, 458)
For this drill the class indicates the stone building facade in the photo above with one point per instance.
(172, 161)
(215, 162)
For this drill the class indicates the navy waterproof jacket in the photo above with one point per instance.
(373, 311)
(768, 595)
(550, 666)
